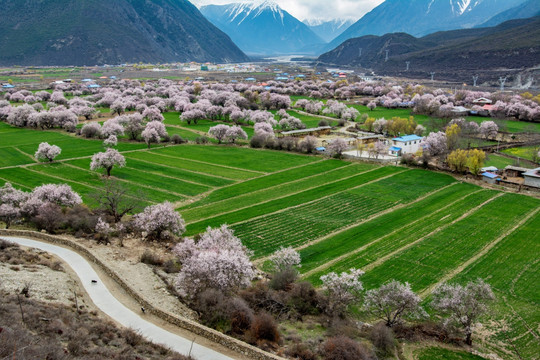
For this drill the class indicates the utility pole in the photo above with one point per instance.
(475, 79)
(432, 75)
(386, 59)
(502, 81)
(360, 52)
(407, 63)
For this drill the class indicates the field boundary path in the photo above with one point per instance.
(478, 255)
(320, 198)
(383, 259)
(79, 257)
(365, 246)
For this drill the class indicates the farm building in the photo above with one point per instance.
(407, 144)
(482, 101)
(460, 111)
(322, 130)
(490, 177)
(515, 171)
(532, 178)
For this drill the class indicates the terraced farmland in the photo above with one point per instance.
(393, 222)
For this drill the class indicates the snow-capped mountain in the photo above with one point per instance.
(421, 17)
(263, 28)
(328, 30)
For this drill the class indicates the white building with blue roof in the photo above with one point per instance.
(406, 144)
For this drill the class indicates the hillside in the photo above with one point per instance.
(513, 45)
(63, 32)
(420, 17)
(522, 11)
(263, 28)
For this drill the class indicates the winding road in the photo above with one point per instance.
(104, 300)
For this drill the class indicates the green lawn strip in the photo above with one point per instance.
(256, 197)
(157, 169)
(424, 263)
(509, 125)
(311, 121)
(9, 156)
(437, 353)
(148, 191)
(275, 179)
(315, 220)
(185, 134)
(29, 179)
(374, 247)
(185, 164)
(22, 137)
(500, 162)
(241, 158)
(202, 126)
(349, 240)
(293, 200)
(512, 268)
(15, 185)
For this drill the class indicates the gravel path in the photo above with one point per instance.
(104, 300)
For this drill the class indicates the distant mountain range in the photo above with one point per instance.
(328, 30)
(96, 32)
(263, 28)
(422, 17)
(513, 44)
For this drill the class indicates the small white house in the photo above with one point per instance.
(532, 178)
(407, 144)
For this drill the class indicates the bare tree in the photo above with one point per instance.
(463, 305)
(116, 200)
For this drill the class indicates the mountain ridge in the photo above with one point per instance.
(450, 14)
(263, 28)
(514, 44)
(97, 32)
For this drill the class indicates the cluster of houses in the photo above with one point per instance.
(513, 176)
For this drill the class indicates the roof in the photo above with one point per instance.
(8, 86)
(489, 168)
(320, 148)
(459, 109)
(482, 100)
(533, 173)
(490, 175)
(516, 168)
(406, 138)
(395, 148)
(306, 130)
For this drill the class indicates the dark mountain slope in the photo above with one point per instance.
(514, 44)
(89, 32)
(422, 17)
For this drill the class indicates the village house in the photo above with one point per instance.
(407, 144)
(532, 178)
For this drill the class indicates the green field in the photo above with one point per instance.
(435, 353)
(526, 152)
(393, 222)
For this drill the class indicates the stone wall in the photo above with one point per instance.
(215, 336)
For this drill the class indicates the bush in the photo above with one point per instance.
(240, 315)
(257, 141)
(151, 259)
(166, 138)
(304, 298)
(343, 348)
(383, 338)
(322, 123)
(342, 122)
(300, 352)
(409, 159)
(284, 279)
(177, 139)
(49, 217)
(264, 327)
(202, 140)
(80, 219)
(287, 143)
(171, 266)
